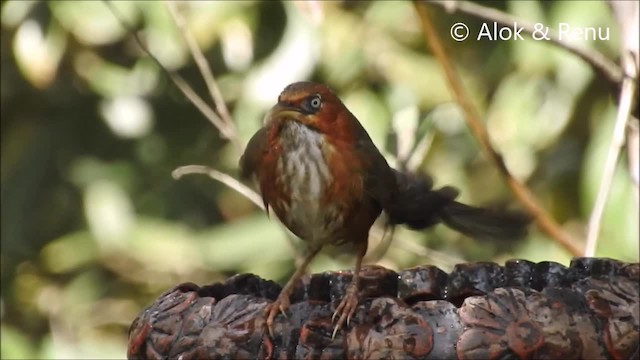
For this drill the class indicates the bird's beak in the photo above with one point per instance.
(284, 111)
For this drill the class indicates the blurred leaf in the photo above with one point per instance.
(69, 253)
(208, 20)
(15, 344)
(527, 53)
(109, 213)
(15, 11)
(396, 18)
(37, 52)
(105, 78)
(527, 114)
(128, 117)
(584, 14)
(88, 346)
(538, 247)
(165, 247)
(91, 22)
(163, 38)
(342, 57)
(373, 115)
(80, 293)
(293, 60)
(235, 245)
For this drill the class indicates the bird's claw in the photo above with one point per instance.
(345, 310)
(279, 305)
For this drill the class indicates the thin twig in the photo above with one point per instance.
(617, 141)
(601, 64)
(226, 127)
(472, 118)
(633, 156)
(177, 80)
(201, 105)
(226, 179)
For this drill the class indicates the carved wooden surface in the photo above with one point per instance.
(588, 310)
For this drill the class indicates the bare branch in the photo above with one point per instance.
(601, 64)
(633, 156)
(624, 110)
(226, 179)
(177, 80)
(521, 192)
(226, 126)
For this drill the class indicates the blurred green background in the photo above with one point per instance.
(94, 227)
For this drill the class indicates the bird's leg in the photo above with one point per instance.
(349, 303)
(282, 302)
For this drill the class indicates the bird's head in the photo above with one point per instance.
(313, 105)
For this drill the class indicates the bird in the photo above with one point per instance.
(318, 170)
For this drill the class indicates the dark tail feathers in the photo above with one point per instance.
(418, 206)
(484, 223)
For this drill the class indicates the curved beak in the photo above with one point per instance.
(281, 110)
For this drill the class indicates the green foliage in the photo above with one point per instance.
(94, 227)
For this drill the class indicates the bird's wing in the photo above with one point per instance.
(251, 161)
(253, 153)
(379, 179)
(406, 198)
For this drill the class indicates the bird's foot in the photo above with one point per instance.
(279, 305)
(345, 309)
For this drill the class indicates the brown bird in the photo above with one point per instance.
(324, 178)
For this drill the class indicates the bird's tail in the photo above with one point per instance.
(484, 223)
(417, 205)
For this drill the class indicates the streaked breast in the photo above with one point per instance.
(304, 175)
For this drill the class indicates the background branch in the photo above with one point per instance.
(633, 156)
(176, 79)
(226, 125)
(617, 141)
(522, 193)
(627, 14)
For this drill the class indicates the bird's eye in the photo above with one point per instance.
(315, 102)
(312, 104)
